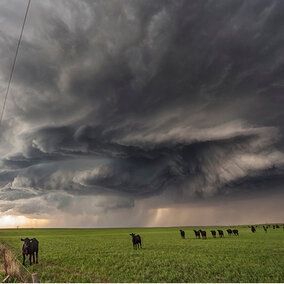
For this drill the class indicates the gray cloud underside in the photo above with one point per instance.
(126, 100)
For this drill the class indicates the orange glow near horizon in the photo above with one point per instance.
(9, 221)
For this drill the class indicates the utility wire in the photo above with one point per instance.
(14, 63)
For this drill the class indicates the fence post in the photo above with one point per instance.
(6, 279)
(35, 278)
(5, 262)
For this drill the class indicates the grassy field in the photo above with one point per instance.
(106, 255)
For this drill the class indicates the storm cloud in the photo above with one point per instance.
(125, 105)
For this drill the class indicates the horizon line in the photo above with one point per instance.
(145, 227)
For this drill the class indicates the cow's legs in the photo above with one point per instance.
(36, 256)
(24, 257)
(30, 258)
(33, 257)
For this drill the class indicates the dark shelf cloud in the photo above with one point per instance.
(122, 108)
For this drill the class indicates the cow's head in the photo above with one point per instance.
(26, 245)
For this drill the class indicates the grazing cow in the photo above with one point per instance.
(229, 231)
(236, 232)
(253, 229)
(203, 234)
(136, 241)
(213, 232)
(30, 247)
(277, 226)
(221, 233)
(182, 234)
(273, 227)
(265, 229)
(197, 234)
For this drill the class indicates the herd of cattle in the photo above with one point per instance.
(202, 234)
(30, 246)
(136, 239)
(265, 228)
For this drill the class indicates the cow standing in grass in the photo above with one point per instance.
(229, 231)
(136, 241)
(236, 232)
(253, 229)
(203, 234)
(30, 247)
(221, 233)
(197, 234)
(213, 232)
(264, 228)
(182, 234)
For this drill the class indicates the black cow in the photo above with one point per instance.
(197, 234)
(203, 234)
(236, 232)
(30, 247)
(136, 241)
(277, 226)
(213, 233)
(265, 229)
(273, 227)
(253, 229)
(229, 231)
(221, 233)
(182, 234)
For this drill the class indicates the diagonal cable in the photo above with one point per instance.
(14, 63)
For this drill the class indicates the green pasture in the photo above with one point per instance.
(106, 255)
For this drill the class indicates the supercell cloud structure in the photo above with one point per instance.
(122, 108)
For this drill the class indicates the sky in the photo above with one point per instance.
(142, 113)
